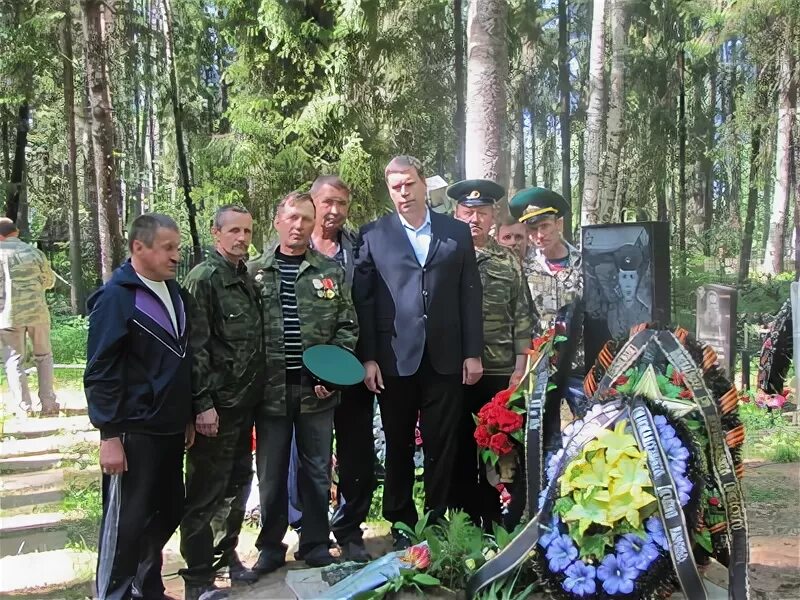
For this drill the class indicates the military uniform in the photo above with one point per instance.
(554, 286)
(228, 375)
(326, 316)
(25, 274)
(508, 321)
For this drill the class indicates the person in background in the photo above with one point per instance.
(352, 421)
(305, 302)
(417, 292)
(25, 274)
(508, 318)
(513, 235)
(227, 382)
(138, 384)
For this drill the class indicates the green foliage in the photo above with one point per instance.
(452, 544)
(756, 418)
(408, 579)
(781, 445)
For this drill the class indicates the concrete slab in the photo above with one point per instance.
(43, 445)
(30, 427)
(39, 571)
(19, 464)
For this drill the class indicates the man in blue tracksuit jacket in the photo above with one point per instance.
(139, 391)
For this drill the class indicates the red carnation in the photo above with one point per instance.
(502, 397)
(685, 394)
(621, 380)
(482, 436)
(500, 444)
(677, 378)
(508, 421)
(713, 501)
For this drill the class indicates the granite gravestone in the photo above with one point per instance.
(716, 322)
(625, 278)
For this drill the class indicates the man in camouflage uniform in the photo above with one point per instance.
(508, 318)
(24, 276)
(305, 302)
(554, 272)
(227, 380)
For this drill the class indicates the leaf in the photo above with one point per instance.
(704, 539)
(593, 545)
(587, 512)
(563, 505)
(425, 579)
(403, 528)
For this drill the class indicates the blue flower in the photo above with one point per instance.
(684, 487)
(551, 532)
(660, 420)
(552, 464)
(580, 579)
(617, 575)
(666, 432)
(560, 553)
(674, 449)
(655, 531)
(677, 467)
(636, 551)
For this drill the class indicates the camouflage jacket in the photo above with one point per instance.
(226, 335)
(552, 290)
(323, 320)
(24, 276)
(508, 314)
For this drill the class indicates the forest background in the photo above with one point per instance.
(675, 110)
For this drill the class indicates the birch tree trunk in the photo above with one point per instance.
(487, 72)
(77, 291)
(615, 129)
(95, 16)
(591, 208)
(773, 258)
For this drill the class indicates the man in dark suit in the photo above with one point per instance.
(417, 292)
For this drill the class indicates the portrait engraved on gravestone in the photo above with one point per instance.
(716, 321)
(618, 273)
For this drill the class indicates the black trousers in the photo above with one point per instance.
(437, 399)
(141, 509)
(218, 476)
(355, 455)
(471, 492)
(314, 435)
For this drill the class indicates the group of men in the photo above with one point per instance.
(439, 313)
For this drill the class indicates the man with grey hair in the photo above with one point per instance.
(25, 274)
(227, 380)
(138, 384)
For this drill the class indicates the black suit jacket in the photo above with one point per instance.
(404, 307)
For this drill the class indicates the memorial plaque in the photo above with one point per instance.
(626, 280)
(716, 322)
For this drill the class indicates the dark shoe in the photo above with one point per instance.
(401, 541)
(194, 591)
(239, 573)
(267, 564)
(318, 557)
(355, 552)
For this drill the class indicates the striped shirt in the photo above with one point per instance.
(292, 342)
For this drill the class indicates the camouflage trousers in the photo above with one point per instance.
(219, 474)
(13, 343)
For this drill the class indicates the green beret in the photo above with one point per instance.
(534, 203)
(333, 366)
(476, 192)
